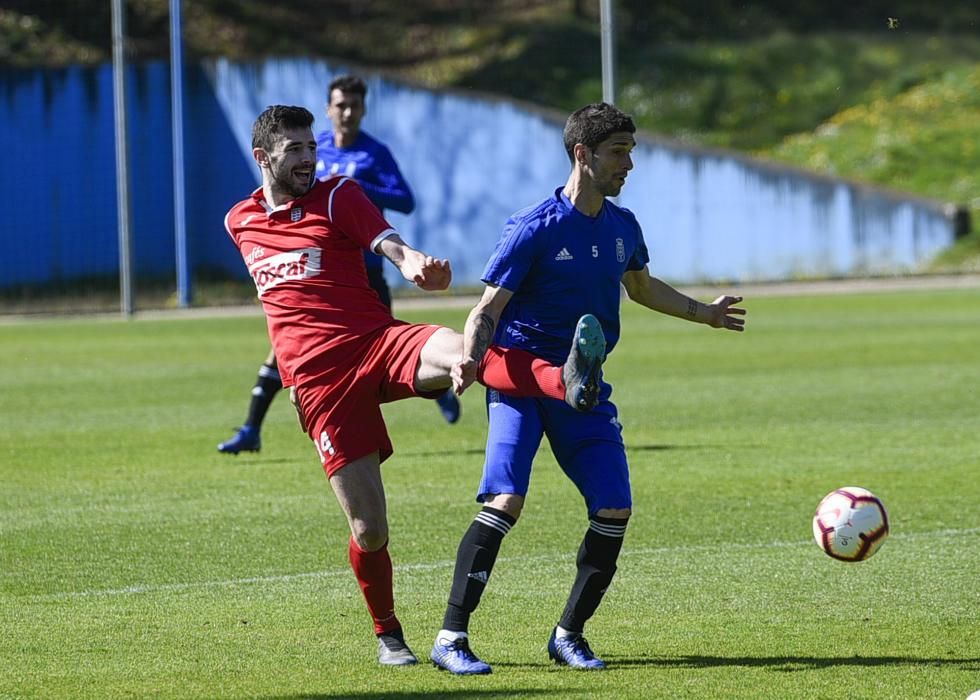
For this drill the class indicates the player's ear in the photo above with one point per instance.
(261, 157)
(581, 152)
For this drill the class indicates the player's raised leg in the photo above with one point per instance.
(519, 373)
(360, 492)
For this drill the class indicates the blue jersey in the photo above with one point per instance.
(560, 264)
(370, 163)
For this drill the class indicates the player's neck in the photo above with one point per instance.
(345, 140)
(583, 195)
(275, 197)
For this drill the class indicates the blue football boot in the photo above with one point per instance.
(247, 439)
(449, 406)
(573, 651)
(455, 656)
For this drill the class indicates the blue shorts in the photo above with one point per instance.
(588, 447)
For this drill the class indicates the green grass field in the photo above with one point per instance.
(136, 562)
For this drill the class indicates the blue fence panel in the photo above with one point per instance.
(56, 128)
(707, 215)
(471, 160)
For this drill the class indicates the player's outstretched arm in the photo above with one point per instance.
(656, 294)
(478, 334)
(391, 190)
(424, 271)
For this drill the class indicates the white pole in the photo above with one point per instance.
(607, 30)
(177, 124)
(122, 158)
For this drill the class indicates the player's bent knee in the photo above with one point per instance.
(441, 350)
(443, 347)
(618, 513)
(509, 503)
(369, 537)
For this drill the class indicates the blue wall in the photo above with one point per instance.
(57, 136)
(707, 215)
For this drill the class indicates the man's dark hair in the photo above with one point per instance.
(277, 120)
(347, 83)
(593, 124)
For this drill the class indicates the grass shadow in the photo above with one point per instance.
(786, 664)
(253, 460)
(472, 451)
(420, 695)
(793, 663)
(663, 448)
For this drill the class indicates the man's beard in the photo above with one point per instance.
(610, 188)
(283, 181)
(607, 187)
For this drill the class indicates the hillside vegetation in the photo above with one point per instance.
(924, 140)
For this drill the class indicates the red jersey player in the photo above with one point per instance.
(343, 354)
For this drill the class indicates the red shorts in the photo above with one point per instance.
(343, 417)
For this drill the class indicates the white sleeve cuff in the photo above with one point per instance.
(380, 237)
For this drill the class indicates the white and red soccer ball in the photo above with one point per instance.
(850, 524)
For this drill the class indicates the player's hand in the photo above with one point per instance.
(463, 373)
(724, 315)
(433, 275)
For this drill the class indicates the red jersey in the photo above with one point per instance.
(306, 258)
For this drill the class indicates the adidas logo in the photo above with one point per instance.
(481, 576)
(563, 254)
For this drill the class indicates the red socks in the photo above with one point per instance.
(519, 373)
(373, 572)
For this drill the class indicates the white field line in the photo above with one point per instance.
(449, 563)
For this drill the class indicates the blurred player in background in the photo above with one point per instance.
(345, 150)
(556, 260)
(344, 355)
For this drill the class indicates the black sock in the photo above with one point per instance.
(596, 566)
(474, 562)
(267, 385)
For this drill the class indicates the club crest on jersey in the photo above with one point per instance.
(620, 250)
(295, 214)
(292, 265)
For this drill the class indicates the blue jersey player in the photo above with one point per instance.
(346, 149)
(555, 261)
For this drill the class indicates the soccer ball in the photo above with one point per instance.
(850, 524)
